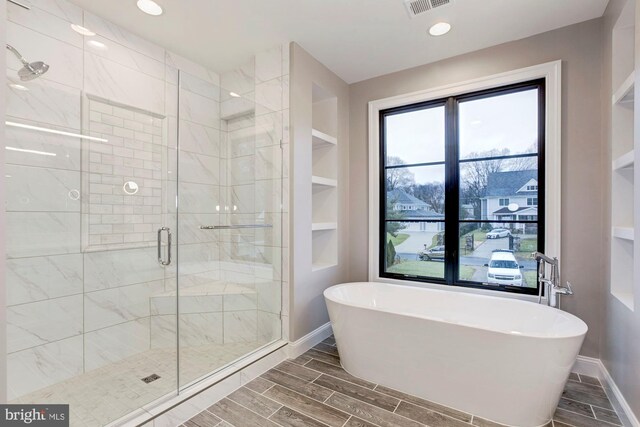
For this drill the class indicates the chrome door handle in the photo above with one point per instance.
(160, 260)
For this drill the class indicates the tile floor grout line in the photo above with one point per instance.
(329, 397)
(270, 387)
(300, 378)
(239, 404)
(431, 409)
(397, 405)
(592, 411)
(312, 398)
(591, 406)
(348, 419)
(377, 407)
(266, 397)
(316, 349)
(342, 379)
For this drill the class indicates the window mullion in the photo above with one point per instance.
(451, 191)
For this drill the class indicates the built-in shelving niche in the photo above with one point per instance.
(623, 154)
(324, 180)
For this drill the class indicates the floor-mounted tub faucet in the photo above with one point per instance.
(553, 283)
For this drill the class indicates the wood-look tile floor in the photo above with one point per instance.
(313, 390)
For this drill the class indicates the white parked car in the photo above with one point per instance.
(498, 233)
(503, 269)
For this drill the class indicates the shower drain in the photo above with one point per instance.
(151, 378)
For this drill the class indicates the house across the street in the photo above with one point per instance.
(511, 196)
(411, 208)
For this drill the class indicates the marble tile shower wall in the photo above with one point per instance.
(70, 310)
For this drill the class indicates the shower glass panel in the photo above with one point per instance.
(83, 270)
(144, 214)
(229, 227)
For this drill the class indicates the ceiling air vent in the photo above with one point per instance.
(417, 7)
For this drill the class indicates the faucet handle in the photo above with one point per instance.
(569, 289)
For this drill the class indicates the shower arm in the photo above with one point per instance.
(20, 57)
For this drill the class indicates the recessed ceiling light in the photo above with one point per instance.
(18, 87)
(235, 95)
(82, 30)
(150, 7)
(439, 29)
(97, 45)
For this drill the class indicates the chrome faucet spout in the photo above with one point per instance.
(552, 284)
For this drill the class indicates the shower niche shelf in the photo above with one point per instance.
(324, 180)
(623, 190)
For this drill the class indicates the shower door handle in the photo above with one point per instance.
(160, 260)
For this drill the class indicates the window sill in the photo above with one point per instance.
(462, 289)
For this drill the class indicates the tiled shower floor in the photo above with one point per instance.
(113, 391)
(313, 390)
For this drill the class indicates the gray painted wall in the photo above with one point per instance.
(620, 332)
(308, 309)
(580, 47)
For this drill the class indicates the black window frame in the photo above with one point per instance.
(452, 163)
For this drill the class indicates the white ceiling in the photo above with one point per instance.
(357, 39)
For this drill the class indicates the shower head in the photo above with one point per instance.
(29, 71)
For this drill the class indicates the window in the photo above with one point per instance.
(460, 162)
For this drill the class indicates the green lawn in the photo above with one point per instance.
(530, 277)
(428, 269)
(527, 246)
(397, 239)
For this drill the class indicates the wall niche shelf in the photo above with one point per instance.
(321, 139)
(623, 143)
(624, 162)
(625, 233)
(324, 226)
(624, 95)
(324, 180)
(320, 182)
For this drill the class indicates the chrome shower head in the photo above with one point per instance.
(29, 71)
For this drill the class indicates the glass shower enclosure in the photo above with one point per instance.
(144, 220)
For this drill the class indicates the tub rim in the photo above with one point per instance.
(581, 325)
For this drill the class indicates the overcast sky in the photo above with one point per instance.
(509, 121)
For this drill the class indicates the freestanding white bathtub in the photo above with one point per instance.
(500, 359)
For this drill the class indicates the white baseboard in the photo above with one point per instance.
(588, 366)
(314, 337)
(595, 368)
